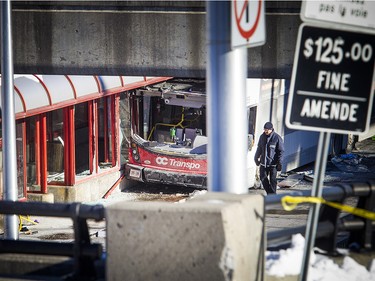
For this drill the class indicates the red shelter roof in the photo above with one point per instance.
(35, 94)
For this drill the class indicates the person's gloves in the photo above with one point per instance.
(257, 162)
(279, 167)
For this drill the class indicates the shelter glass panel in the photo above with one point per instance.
(105, 132)
(20, 160)
(82, 139)
(55, 146)
(31, 156)
(124, 128)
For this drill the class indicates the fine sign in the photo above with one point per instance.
(247, 23)
(331, 87)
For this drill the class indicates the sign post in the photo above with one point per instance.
(331, 86)
(316, 191)
(8, 119)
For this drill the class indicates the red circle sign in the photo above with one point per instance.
(246, 33)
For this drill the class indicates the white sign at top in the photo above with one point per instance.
(360, 13)
(248, 23)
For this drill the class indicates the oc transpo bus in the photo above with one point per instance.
(168, 139)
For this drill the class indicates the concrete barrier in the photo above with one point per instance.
(216, 237)
(254, 212)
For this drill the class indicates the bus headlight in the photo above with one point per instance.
(134, 152)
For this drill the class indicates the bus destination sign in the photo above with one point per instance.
(331, 86)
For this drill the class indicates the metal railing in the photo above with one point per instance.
(81, 249)
(333, 223)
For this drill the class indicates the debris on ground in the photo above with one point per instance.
(25, 230)
(291, 180)
(365, 147)
(346, 168)
(332, 177)
(349, 163)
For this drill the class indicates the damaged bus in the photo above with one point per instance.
(168, 134)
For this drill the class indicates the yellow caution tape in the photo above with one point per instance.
(290, 202)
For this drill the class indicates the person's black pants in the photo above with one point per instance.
(270, 184)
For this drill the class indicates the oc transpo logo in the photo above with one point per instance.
(177, 163)
(162, 161)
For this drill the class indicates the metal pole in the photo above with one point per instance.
(8, 119)
(226, 104)
(312, 221)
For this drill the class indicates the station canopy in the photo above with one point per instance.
(36, 94)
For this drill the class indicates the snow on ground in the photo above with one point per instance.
(193, 194)
(118, 196)
(289, 262)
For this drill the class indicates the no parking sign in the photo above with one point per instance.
(248, 23)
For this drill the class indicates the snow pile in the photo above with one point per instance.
(289, 261)
(322, 268)
(195, 193)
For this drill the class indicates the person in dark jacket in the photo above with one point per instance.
(269, 156)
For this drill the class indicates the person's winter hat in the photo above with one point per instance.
(268, 126)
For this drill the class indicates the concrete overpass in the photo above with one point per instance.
(157, 38)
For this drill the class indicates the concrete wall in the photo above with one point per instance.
(216, 237)
(90, 190)
(148, 41)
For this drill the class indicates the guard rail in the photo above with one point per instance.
(333, 223)
(81, 250)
